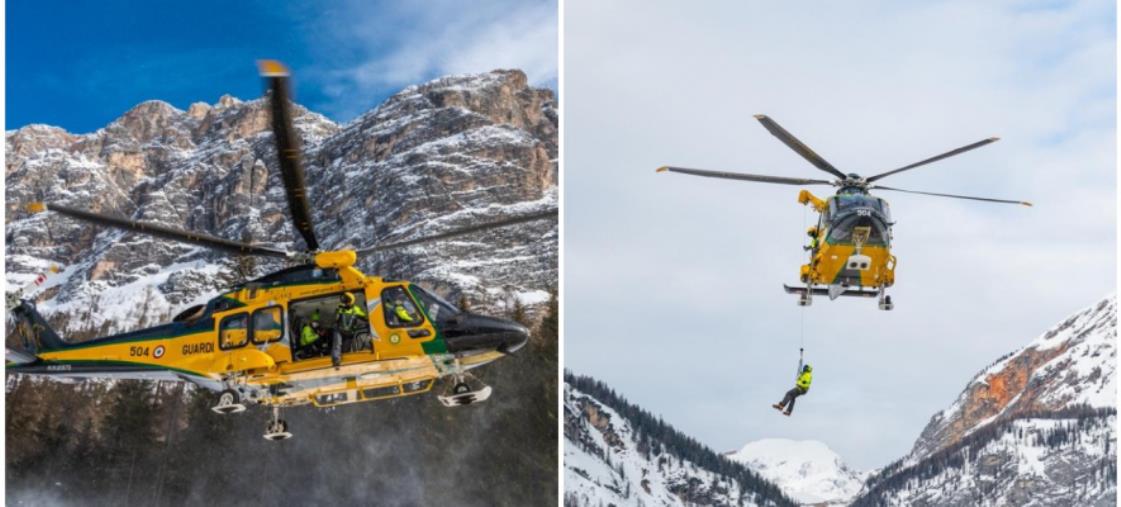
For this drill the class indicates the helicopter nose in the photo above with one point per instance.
(470, 331)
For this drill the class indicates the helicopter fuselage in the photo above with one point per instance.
(249, 339)
(853, 241)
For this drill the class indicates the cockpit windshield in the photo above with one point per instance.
(437, 309)
(843, 204)
(841, 230)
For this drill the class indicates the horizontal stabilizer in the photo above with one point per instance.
(12, 356)
(823, 291)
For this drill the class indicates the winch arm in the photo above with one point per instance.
(806, 197)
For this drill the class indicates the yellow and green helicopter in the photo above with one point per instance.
(320, 332)
(850, 247)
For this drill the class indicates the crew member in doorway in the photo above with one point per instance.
(812, 233)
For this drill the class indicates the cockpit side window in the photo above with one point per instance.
(233, 332)
(399, 309)
(886, 210)
(436, 307)
(268, 325)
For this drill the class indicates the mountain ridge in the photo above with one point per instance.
(618, 454)
(432, 157)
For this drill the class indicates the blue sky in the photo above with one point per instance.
(79, 65)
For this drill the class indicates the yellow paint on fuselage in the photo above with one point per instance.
(396, 358)
(829, 261)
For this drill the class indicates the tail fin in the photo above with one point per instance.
(31, 332)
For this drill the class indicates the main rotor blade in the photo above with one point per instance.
(798, 146)
(160, 231)
(743, 176)
(948, 154)
(552, 213)
(288, 149)
(986, 199)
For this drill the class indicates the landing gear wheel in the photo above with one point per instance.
(228, 403)
(886, 304)
(461, 392)
(277, 429)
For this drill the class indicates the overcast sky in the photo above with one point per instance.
(674, 283)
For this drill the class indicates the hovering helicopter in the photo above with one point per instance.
(850, 247)
(246, 343)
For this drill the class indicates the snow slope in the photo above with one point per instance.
(612, 459)
(807, 470)
(1073, 363)
(1037, 427)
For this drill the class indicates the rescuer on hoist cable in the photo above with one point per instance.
(801, 386)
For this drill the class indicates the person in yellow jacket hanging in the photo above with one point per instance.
(801, 386)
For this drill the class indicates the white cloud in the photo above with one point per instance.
(673, 284)
(391, 46)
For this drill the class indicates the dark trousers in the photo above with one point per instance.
(789, 398)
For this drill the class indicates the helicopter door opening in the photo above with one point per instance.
(315, 321)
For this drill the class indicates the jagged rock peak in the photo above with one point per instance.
(212, 169)
(34, 138)
(1036, 427)
(198, 110)
(227, 100)
(500, 96)
(1072, 363)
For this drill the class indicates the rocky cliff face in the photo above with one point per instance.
(617, 454)
(444, 154)
(1035, 428)
(1071, 364)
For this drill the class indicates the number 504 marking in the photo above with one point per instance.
(139, 351)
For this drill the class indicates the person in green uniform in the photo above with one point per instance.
(801, 386)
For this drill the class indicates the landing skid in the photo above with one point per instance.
(805, 295)
(823, 291)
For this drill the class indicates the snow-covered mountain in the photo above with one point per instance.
(445, 154)
(1037, 427)
(1073, 363)
(806, 470)
(618, 454)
